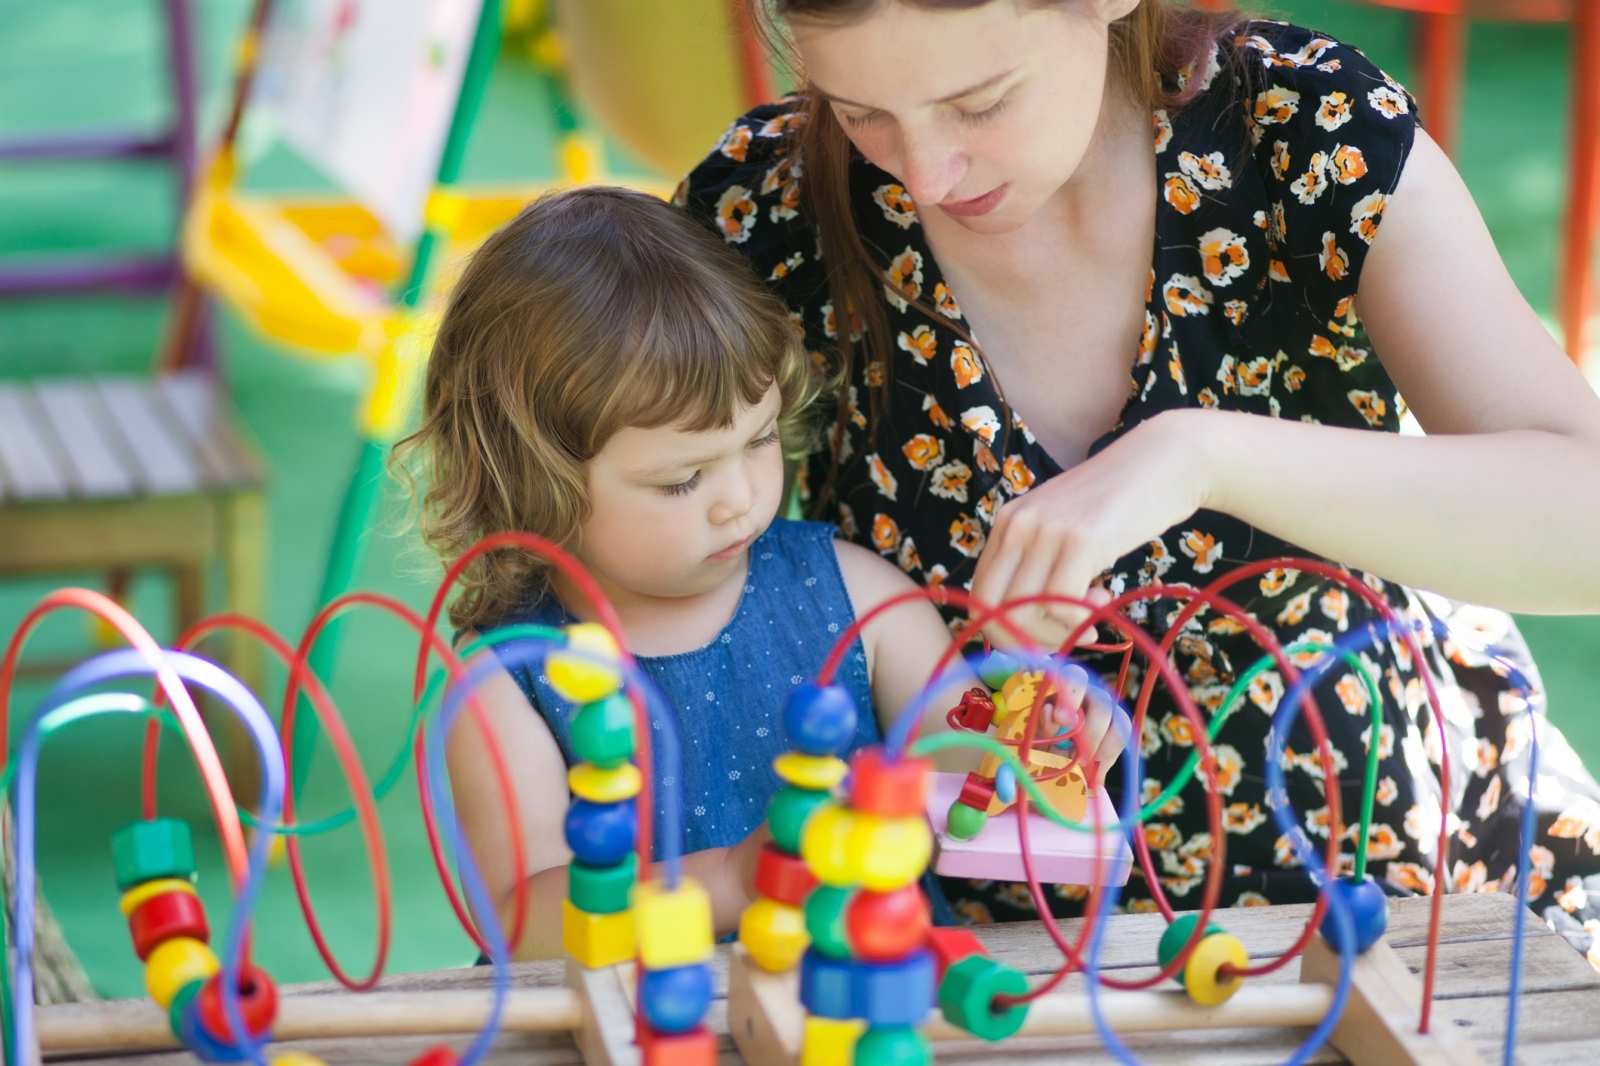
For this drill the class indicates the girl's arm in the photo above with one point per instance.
(539, 778)
(1499, 504)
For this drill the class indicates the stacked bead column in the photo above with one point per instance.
(602, 825)
(675, 986)
(867, 969)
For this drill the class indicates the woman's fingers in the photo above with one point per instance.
(1113, 743)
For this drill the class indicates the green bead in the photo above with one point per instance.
(966, 997)
(997, 669)
(1176, 935)
(602, 732)
(179, 1002)
(787, 814)
(602, 889)
(825, 909)
(965, 822)
(144, 851)
(893, 1045)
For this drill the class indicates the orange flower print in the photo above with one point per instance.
(1180, 192)
(1162, 836)
(1148, 793)
(945, 301)
(1254, 377)
(1329, 67)
(1344, 319)
(936, 413)
(881, 476)
(1413, 877)
(1207, 398)
(777, 127)
(1366, 214)
(1251, 899)
(1335, 604)
(1147, 340)
(1383, 843)
(830, 325)
(971, 912)
(885, 534)
(1279, 227)
(936, 574)
(988, 506)
(1019, 478)
(1223, 256)
(1072, 892)
(1352, 693)
(1142, 906)
(1163, 130)
(908, 559)
(1275, 581)
(1277, 271)
(853, 408)
(1348, 165)
(1203, 548)
(949, 482)
(1207, 171)
(1310, 185)
(1235, 310)
(1334, 112)
(896, 204)
(984, 457)
(905, 272)
(967, 536)
(1242, 818)
(873, 373)
(1574, 897)
(785, 268)
(1387, 792)
(922, 344)
(1370, 405)
(924, 451)
(964, 361)
(1185, 295)
(1484, 757)
(788, 205)
(1266, 690)
(1177, 730)
(1293, 378)
(1175, 369)
(1280, 160)
(1275, 106)
(1294, 612)
(1333, 262)
(1388, 102)
(981, 422)
(1319, 820)
(847, 519)
(735, 142)
(1283, 854)
(736, 214)
(1227, 769)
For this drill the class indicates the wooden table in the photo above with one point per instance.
(1560, 1016)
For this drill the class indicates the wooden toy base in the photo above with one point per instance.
(1060, 856)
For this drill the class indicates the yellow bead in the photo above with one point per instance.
(596, 940)
(825, 845)
(294, 1058)
(816, 772)
(588, 781)
(150, 889)
(175, 963)
(590, 676)
(674, 925)
(845, 847)
(774, 934)
(830, 1041)
(1205, 986)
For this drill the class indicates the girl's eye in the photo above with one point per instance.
(987, 113)
(682, 488)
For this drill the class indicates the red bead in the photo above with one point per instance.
(258, 1003)
(164, 917)
(783, 877)
(438, 1055)
(951, 944)
(976, 792)
(887, 925)
(697, 1047)
(975, 711)
(888, 788)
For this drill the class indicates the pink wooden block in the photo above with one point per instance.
(1060, 856)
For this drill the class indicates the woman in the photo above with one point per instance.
(1023, 203)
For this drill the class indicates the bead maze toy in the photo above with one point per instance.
(837, 960)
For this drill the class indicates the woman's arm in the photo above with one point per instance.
(1499, 505)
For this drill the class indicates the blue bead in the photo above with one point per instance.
(600, 834)
(1369, 912)
(997, 668)
(820, 720)
(198, 1039)
(894, 993)
(1005, 783)
(825, 985)
(674, 1000)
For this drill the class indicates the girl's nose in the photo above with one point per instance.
(734, 501)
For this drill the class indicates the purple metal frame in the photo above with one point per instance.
(62, 275)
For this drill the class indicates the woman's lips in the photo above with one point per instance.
(978, 205)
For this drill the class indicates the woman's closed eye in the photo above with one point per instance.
(987, 113)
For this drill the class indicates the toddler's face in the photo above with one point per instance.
(672, 512)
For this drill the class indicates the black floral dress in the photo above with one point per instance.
(1272, 183)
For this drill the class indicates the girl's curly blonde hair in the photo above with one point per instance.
(593, 310)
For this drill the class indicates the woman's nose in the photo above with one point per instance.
(932, 167)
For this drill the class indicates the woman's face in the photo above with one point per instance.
(982, 113)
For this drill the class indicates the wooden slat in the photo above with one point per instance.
(28, 468)
(163, 458)
(77, 425)
(95, 534)
(198, 405)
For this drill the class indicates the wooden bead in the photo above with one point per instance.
(898, 1045)
(1177, 934)
(304, 1058)
(964, 822)
(966, 997)
(136, 895)
(887, 925)
(1201, 977)
(437, 1055)
(820, 720)
(174, 964)
(697, 1047)
(206, 1045)
(825, 922)
(997, 668)
(596, 940)
(180, 1003)
(782, 876)
(1369, 912)
(601, 834)
(788, 811)
(1005, 784)
(602, 732)
(825, 986)
(674, 925)
(602, 889)
(975, 711)
(845, 847)
(830, 1041)
(951, 944)
(165, 916)
(891, 788)
(674, 1000)
(816, 772)
(893, 993)
(147, 850)
(977, 791)
(774, 934)
(258, 1004)
(590, 782)
(590, 675)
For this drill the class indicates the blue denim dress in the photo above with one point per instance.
(728, 695)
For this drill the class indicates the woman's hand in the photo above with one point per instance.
(1058, 537)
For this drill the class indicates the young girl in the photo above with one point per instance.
(610, 376)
